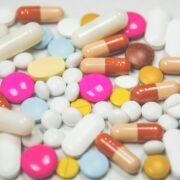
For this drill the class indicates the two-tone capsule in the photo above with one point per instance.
(118, 153)
(154, 92)
(137, 132)
(106, 47)
(40, 14)
(108, 66)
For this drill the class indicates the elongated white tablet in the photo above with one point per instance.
(83, 134)
(15, 122)
(20, 40)
(171, 141)
(101, 27)
(156, 28)
(10, 155)
(172, 47)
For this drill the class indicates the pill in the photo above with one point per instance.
(67, 168)
(106, 47)
(172, 143)
(15, 122)
(6, 67)
(3, 30)
(156, 167)
(119, 96)
(83, 134)
(72, 91)
(40, 14)
(46, 67)
(108, 66)
(136, 26)
(154, 92)
(150, 75)
(94, 164)
(103, 26)
(17, 87)
(139, 55)
(170, 65)
(172, 46)
(95, 87)
(3, 102)
(118, 153)
(82, 105)
(88, 18)
(51, 119)
(74, 59)
(10, 155)
(39, 161)
(24, 38)
(157, 24)
(137, 132)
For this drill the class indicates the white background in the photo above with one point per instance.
(75, 9)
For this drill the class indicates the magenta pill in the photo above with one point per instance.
(95, 87)
(39, 161)
(136, 26)
(17, 87)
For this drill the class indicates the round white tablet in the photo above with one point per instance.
(3, 30)
(151, 111)
(7, 15)
(67, 26)
(126, 81)
(74, 59)
(41, 90)
(6, 67)
(72, 91)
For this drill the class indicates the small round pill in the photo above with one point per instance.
(6, 67)
(74, 59)
(72, 91)
(88, 18)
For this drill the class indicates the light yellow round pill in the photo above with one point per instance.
(150, 74)
(119, 96)
(67, 167)
(88, 18)
(82, 105)
(157, 167)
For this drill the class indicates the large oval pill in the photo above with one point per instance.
(46, 67)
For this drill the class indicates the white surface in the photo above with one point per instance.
(75, 9)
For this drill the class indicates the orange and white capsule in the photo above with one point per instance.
(40, 14)
(106, 47)
(118, 153)
(137, 132)
(108, 66)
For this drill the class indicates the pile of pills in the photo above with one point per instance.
(73, 108)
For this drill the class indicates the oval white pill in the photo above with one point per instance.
(153, 147)
(74, 59)
(3, 30)
(56, 85)
(151, 111)
(6, 67)
(72, 91)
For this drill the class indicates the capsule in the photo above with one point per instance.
(103, 26)
(40, 14)
(170, 65)
(137, 132)
(118, 153)
(20, 40)
(106, 47)
(108, 66)
(154, 92)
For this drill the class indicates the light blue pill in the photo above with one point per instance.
(47, 37)
(61, 47)
(94, 164)
(34, 107)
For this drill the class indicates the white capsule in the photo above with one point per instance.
(15, 122)
(156, 28)
(10, 155)
(74, 59)
(3, 30)
(103, 26)
(6, 67)
(72, 91)
(82, 135)
(172, 47)
(20, 40)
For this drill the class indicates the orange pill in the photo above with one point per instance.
(40, 14)
(137, 132)
(106, 47)
(108, 66)
(118, 153)
(3, 102)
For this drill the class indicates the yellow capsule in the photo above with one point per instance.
(67, 167)
(150, 75)
(157, 167)
(88, 18)
(82, 105)
(119, 96)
